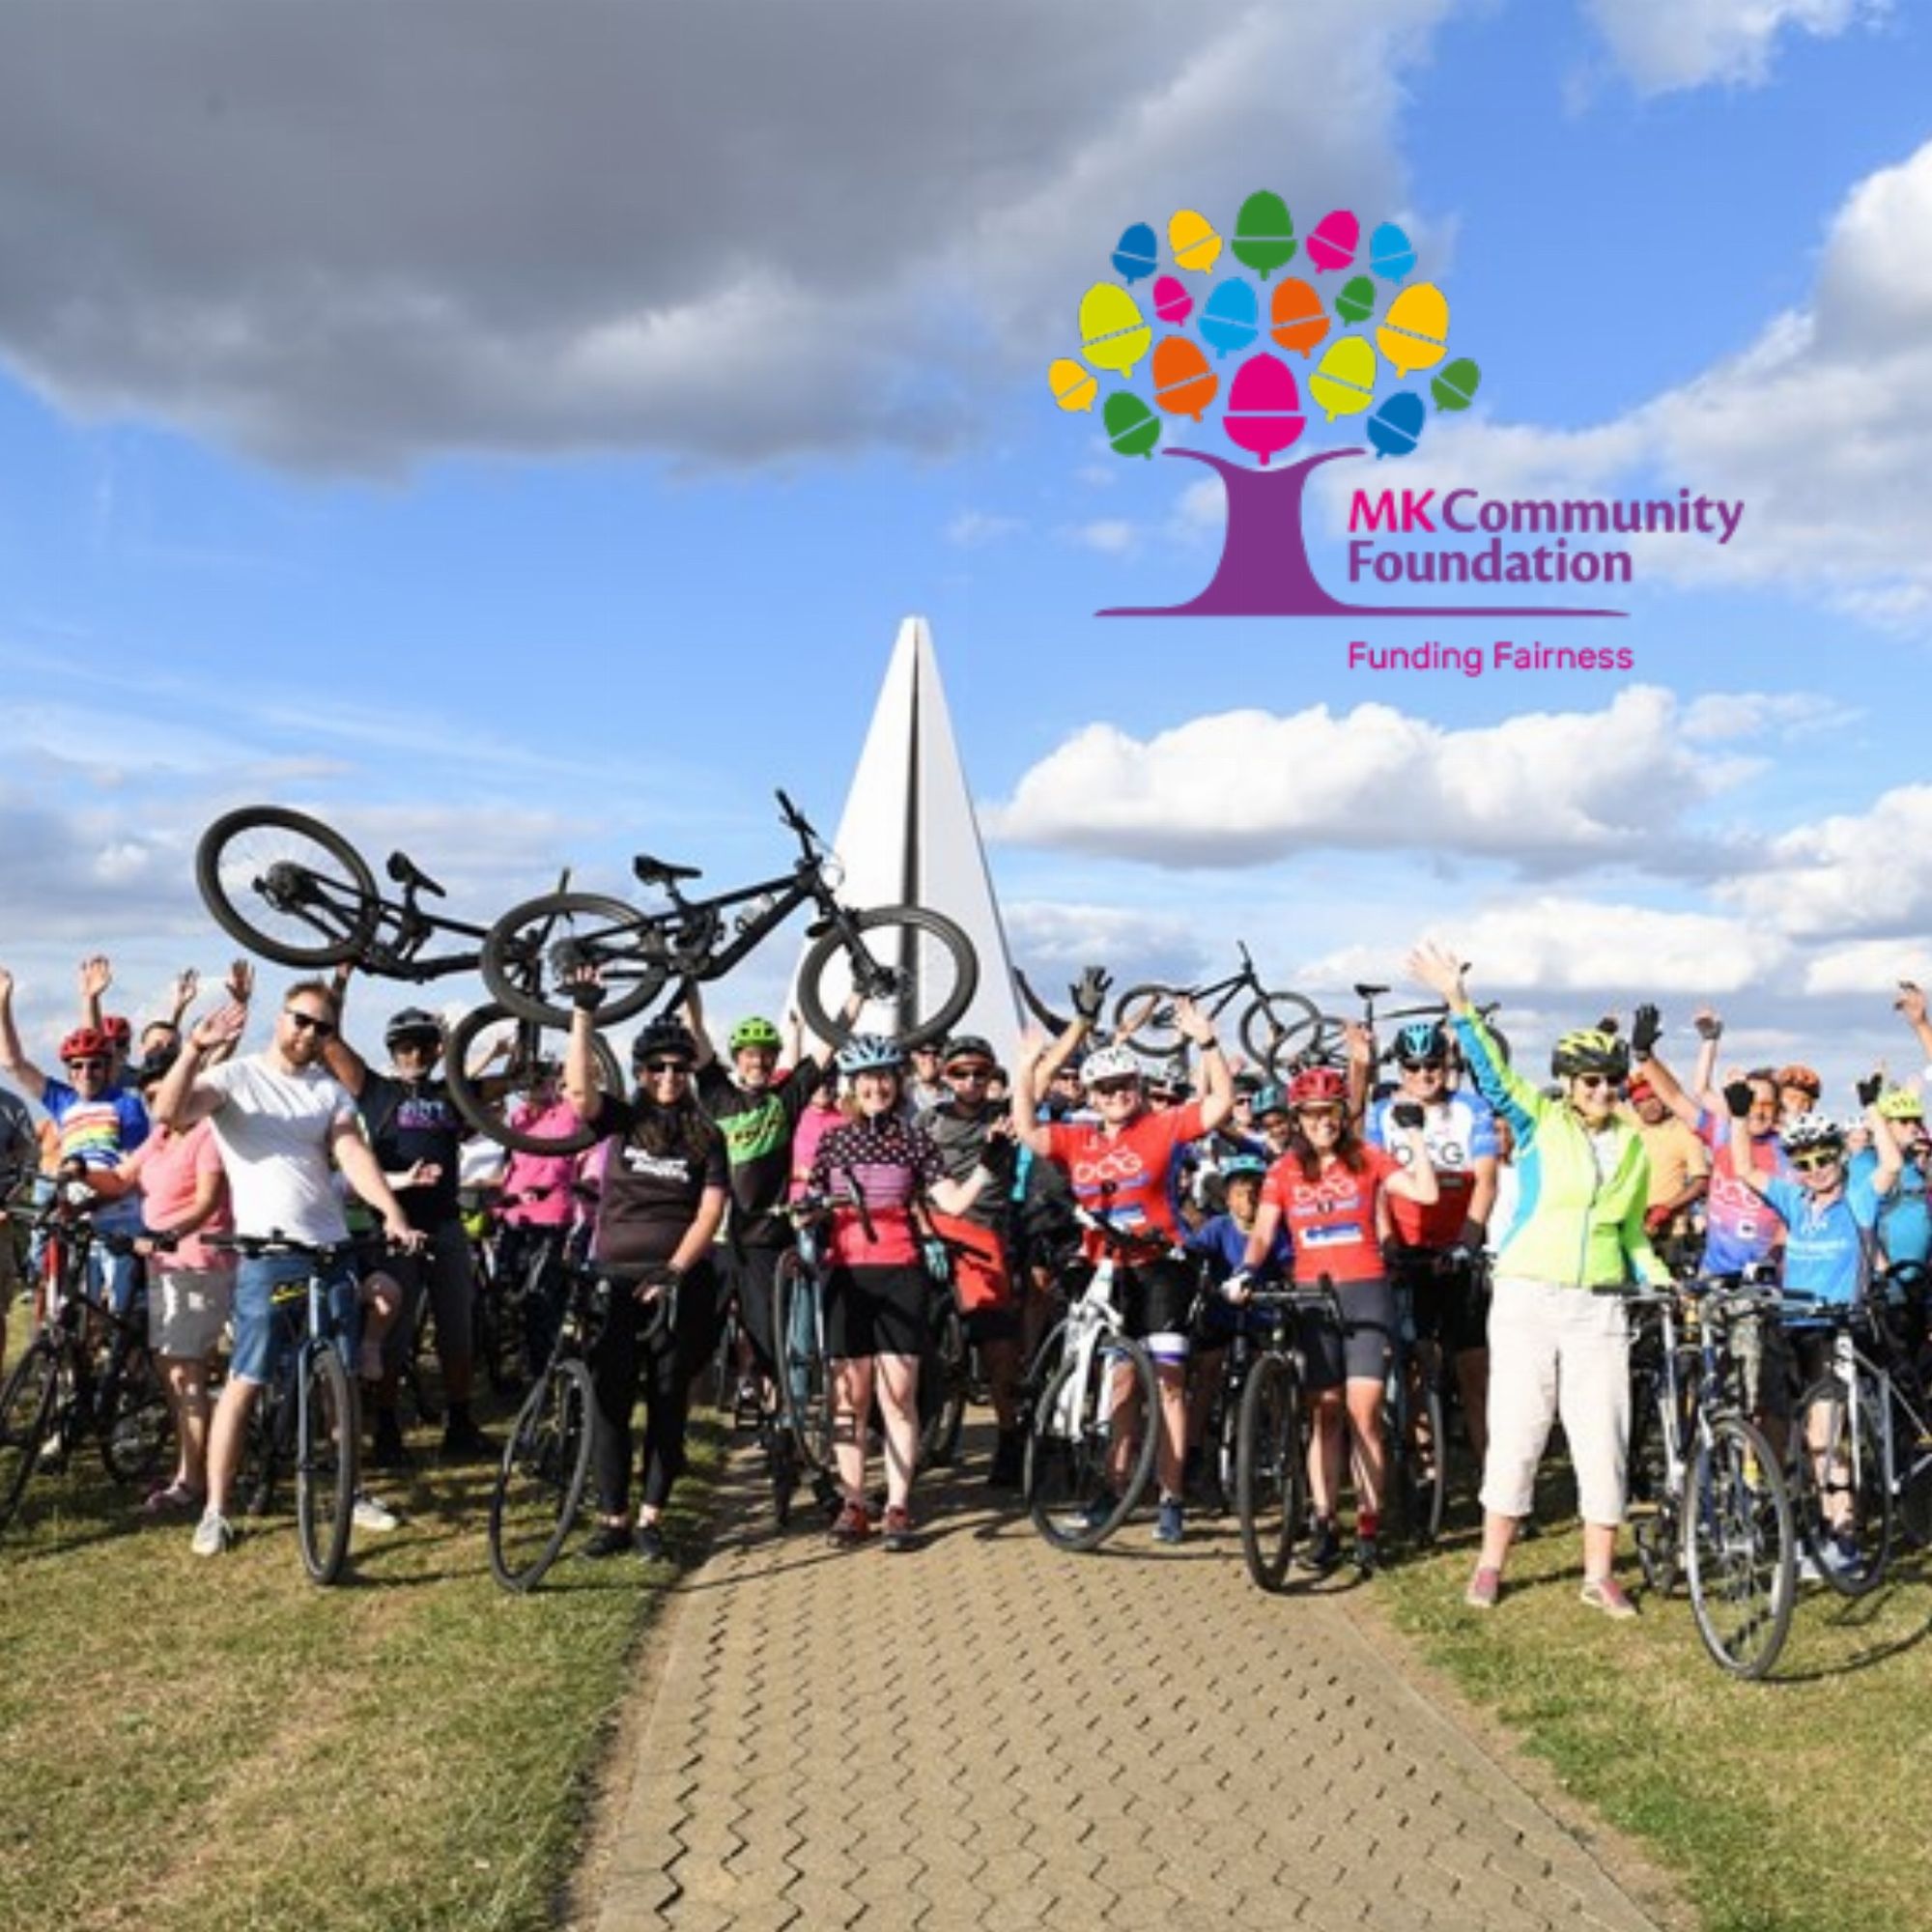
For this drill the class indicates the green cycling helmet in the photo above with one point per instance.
(755, 1031)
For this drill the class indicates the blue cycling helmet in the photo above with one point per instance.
(1243, 1167)
(871, 1053)
(1269, 1099)
(1422, 1040)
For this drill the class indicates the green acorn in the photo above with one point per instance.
(1264, 234)
(1455, 387)
(1357, 300)
(1132, 428)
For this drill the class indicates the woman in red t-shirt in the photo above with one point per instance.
(1328, 1188)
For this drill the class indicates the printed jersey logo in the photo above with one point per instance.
(756, 1132)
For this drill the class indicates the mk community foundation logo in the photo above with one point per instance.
(1374, 343)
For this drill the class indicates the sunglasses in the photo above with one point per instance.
(1593, 1080)
(1424, 1065)
(1126, 1083)
(309, 1023)
(654, 1067)
(1324, 1110)
(1810, 1163)
(969, 1074)
(93, 1061)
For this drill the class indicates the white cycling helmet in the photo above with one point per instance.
(1110, 1062)
(1809, 1130)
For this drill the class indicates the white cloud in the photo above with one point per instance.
(972, 529)
(1549, 790)
(1114, 536)
(1869, 968)
(1851, 874)
(1664, 44)
(1720, 716)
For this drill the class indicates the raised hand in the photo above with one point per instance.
(1193, 1023)
(95, 976)
(6, 985)
(1361, 1043)
(1911, 1002)
(187, 984)
(240, 983)
(221, 1028)
(1089, 993)
(1440, 969)
(1646, 1024)
(1708, 1022)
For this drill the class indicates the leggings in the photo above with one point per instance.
(622, 1364)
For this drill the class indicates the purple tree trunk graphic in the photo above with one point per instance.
(1265, 569)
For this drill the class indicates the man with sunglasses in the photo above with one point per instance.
(280, 1119)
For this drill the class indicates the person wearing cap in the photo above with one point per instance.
(925, 1090)
(1905, 1213)
(1798, 1090)
(1680, 1163)
(981, 1265)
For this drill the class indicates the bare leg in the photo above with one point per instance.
(1170, 1455)
(1472, 1378)
(224, 1440)
(186, 1379)
(851, 1409)
(899, 1404)
(1365, 1428)
(1324, 1452)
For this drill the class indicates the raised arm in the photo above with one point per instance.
(1028, 1129)
(1217, 1084)
(1737, 1103)
(1646, 1028)
(184, 1096)
(693, 1007)
(14, 1061)
(95, 976)
(580, 1063)
(1440, 969)
(1911, 1002)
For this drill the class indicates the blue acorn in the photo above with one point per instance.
(1391, 253)
(1231, 318)
(1138, 254)
(1396, 426)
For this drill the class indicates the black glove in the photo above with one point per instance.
(1870, 1090)
(1473, 1238)
(1406, 1114)
(586, 995)
(1089, 993)
(1645, 1026)
(1738, 1098)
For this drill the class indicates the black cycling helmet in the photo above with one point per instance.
(969, 1047)
(663, 1035)
(412, 1023)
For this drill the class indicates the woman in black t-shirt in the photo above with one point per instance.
(663, 1199)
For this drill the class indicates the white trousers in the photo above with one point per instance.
(1557, 1351)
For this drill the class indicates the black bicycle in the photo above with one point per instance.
(1271, 1440)
(1328, 1045)
(296, 891)
(910, 961)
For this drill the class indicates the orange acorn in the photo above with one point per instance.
(1296, 318)
(1184, 384)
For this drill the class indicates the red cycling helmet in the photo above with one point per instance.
(118, 1029)
(1318, 1087)
(86, 1043)
(1802, 1077)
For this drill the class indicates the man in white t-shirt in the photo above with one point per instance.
(277, 1116)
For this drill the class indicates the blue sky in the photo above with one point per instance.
(529, 459)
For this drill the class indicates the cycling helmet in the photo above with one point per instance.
(1800, 1076)
(755, 1031)
(1111, 1063)
(1590, 1050)
(663, 1035)
(86, 1043)
(1812, 1130)
(1269, 1099)
(1243, 1167)
(1248, 1084)
(1422, 1040)
(1318, 1087)
(412, 1023)
(970, 1046)
(871, 1053)
(118, 1029)
(1900, 1103)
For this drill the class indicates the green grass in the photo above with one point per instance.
(203, 1744)
(1783, 1806)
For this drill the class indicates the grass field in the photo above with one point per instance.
(191, 1743)
(1796, 1805)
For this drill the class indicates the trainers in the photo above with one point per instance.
(650, 1542)
(389, 1450)
(1365, 1555)
(1324, 1550)
(1170, 1521)
(608, 1539)
(463, 1443)
(1484, 1587)
(371, 1513)
(171, 1499)
(1099, 1512)
(899, 1528)
(1607, 1594)
(852, 1525)
(212, 1535)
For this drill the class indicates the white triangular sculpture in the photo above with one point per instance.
(908, 835)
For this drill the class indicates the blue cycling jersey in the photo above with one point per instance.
(1825, 1247)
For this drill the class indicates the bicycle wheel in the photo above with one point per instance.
(1740, 1561)
(917, 965)
(495, 1059)
(527, 952)
(1270, 1472)
(805, 1390)
(1276, 1027)
(942, 1391)
(286, 886)
(1143, 1018)
(263, 1454)
(136, 1423)
(541, 1482)
(26, 1418)
(1844, 1504)
(1085, 1470)
(1656, 1527)
(1418, 1473)
(325, 1433)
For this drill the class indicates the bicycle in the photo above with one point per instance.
(914, 961)
(1328, 1043)
(67, 1384)
(1720, 1512)
(1091, 1435)
(1269, 1024)
(546, 1465)
(1421, 1392)
(292, 889)
(1272, 1441)
(308, 1415)
(948, 1372)
(805, 1438)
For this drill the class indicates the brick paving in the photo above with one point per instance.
(988, 1733)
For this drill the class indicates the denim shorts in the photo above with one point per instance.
(263, 1331)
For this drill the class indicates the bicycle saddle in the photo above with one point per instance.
(407, 873)
(658, 872)
(1370, 993)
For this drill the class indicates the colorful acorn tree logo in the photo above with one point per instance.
(1259, 336)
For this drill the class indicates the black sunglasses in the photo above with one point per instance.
(664, 1066)
(81, 1065)
(1425, 1066)
(309, 1023)
(1126, 1083)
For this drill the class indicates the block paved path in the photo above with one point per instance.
(987, 1733)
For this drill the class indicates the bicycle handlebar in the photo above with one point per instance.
(255, 1247)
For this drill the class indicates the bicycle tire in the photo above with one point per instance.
(262, 1454)
(947, 1369)
(1418, 1485)
(26, 1416)
(517, 964)
(821, 999)
(136, 1422)
(805, 1387)
(1277, 1026)
(325, 1454)
(351, 901)
(1739, 1548)
(1070, 1446)
(1656, 1526)
(1861, 1526)
(1270, 1472)
(540, 1483)
(468, 1067)
(1136, 1020)
(1055, 1023)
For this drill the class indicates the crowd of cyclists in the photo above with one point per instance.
(1425, 1178)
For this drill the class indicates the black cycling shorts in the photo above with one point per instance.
(1451, 1307)
(876, 1311)
(1358, 1351)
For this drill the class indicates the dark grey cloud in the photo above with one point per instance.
(350, 235)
